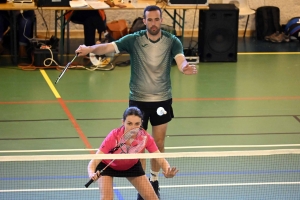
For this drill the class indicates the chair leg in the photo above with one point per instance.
(246, 25)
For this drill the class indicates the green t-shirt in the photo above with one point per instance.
(150, 64)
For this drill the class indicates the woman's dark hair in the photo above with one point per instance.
(151, 8)
(132, 111)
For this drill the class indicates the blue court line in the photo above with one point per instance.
(161, 175)
(118, 193)
(42, 178)
(238, 173)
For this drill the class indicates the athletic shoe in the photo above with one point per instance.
(139, 197)
(155, 186)
(286, 38)
(267, 38)
(276, 37)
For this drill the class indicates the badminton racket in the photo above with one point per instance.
(65, 69)
(133, 141)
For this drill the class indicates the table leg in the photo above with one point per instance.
(179, 22)
(62, 37)
(13, 38)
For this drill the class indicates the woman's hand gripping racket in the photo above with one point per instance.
(133, 141)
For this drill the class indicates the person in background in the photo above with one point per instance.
(91, 20)
(25, 23)
(152, 52)
(130, 168)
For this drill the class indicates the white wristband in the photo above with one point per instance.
(182, 70)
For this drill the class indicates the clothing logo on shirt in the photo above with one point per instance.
(144, 45)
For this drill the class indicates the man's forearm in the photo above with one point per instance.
(100, 49)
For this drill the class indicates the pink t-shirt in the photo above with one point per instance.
(112, 140)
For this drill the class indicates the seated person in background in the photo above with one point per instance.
(25, 29)
(91, 20)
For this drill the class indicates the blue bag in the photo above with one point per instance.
(292, 28)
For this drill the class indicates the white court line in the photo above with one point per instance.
(166, 186)
(183, 147)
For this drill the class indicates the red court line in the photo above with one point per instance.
(297, 118)
(76, 125)
(238, 98)
(174, 99)
(28, 102)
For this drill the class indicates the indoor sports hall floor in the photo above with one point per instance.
(253, 104)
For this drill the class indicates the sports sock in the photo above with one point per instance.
(153, 176)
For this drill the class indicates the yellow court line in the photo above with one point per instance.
(50, 84)
(268, 53)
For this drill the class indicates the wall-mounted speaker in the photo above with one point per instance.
(218, 33)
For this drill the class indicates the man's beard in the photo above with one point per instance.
(153, 30)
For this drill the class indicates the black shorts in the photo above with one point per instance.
(149, 111)
(134, 171)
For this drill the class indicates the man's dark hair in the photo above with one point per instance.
(151, 8)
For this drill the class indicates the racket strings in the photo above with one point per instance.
(134, 145)
(124, 139)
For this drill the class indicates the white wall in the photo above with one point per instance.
(288, 9)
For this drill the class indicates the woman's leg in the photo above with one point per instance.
(143, 186)
(106, 187)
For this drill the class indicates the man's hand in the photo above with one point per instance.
(83, 50)
(171, 172)
(189, 69)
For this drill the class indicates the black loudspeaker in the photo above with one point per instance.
(218, 33)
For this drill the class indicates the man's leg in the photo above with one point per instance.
(159, 134)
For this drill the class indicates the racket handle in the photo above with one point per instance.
(89, 183)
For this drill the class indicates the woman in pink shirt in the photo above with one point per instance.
(131, 168)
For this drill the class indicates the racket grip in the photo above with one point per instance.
(89, 183)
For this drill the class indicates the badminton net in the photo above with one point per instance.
(232, 175)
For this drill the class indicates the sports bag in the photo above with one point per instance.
(137, 25)
(292, 28)
(267, 20)
(117, 28)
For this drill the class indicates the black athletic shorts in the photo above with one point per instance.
(135, 170)
(149, 111)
